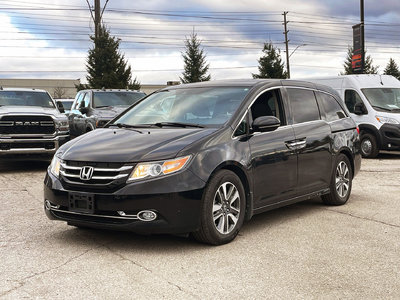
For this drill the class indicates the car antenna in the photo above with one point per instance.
(380, 77)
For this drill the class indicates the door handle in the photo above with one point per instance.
(297, 144)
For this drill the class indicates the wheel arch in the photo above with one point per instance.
(239, 170)
(349, 155)
(365, 128)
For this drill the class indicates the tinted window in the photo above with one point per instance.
(333, 111)
(304, 105)
(242, 128)
(350, 99)
(268, 104)
(25, 98)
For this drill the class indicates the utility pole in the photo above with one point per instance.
(97, 18)
(286, 42)
(362, 35)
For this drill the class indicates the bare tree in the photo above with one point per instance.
(59, 92)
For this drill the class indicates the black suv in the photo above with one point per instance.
(94, 108)
(202, 158)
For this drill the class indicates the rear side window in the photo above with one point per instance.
(351, 98)
(333, 110)
(304, 105)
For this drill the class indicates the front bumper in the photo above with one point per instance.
(390, 137)
(178, 209)
(44, 145)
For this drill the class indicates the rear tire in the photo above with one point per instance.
(341, 182)
(369, 146)
(223, 210)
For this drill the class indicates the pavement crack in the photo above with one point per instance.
(23, 281)
(123, 258)
(364, 218)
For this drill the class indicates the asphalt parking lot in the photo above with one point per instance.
(306, 250)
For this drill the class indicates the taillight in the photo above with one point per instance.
(358, 130)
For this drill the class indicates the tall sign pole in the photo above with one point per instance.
(358, 58)
(362, 35)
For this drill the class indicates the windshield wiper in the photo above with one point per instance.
(122, 125)
(380, 107)
(177, 124)
(102, 106)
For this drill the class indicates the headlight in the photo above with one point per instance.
(101, 123)
(55, 166)
(160, 168)
(63, 125)
(384, 120)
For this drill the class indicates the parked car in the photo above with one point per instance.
(94, 108)
(202, 158)
(374, 104)
(30, 124)
(66, 103)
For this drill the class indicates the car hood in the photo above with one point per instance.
(128, 145)
(109, 112)
(30, 110)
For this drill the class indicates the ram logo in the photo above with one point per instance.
(20, 123)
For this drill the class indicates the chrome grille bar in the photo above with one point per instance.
(95, 177)
(124, 168)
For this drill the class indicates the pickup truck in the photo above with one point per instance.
(30, 124)
(95, 108)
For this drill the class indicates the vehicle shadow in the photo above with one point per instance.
(383, 155)
(22, 166)
(131, 242)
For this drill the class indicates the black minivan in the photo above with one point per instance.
(202, 158)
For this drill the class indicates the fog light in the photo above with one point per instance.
(49, 206)
(147, 215)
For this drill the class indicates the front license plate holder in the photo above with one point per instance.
(81, 202)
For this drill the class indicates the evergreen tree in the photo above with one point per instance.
(392, 69)
(106, 66)
(368, 68)
(196, 67)
(270, 65)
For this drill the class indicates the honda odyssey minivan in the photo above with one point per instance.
(203, 158)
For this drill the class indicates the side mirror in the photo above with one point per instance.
(266, 123)
(360, 109)
(84, 110)
(60, 107)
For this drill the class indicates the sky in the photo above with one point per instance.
(50, 39)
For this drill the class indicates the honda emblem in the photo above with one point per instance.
(86, 173)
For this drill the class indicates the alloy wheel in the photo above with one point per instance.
(226, 208)
(342, 179)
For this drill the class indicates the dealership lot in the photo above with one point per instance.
(306, 250)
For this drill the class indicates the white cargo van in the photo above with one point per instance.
(374, 103)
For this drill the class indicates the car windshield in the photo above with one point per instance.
(384, 98)
(67, 104)
(104, 99)
(191, 106)
(25, 98)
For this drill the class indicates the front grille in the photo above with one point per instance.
(28, 145)
(27, 125)
(106, 177)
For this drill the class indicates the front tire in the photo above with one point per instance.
(223, 209)
(369, 146)
(341, 182)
